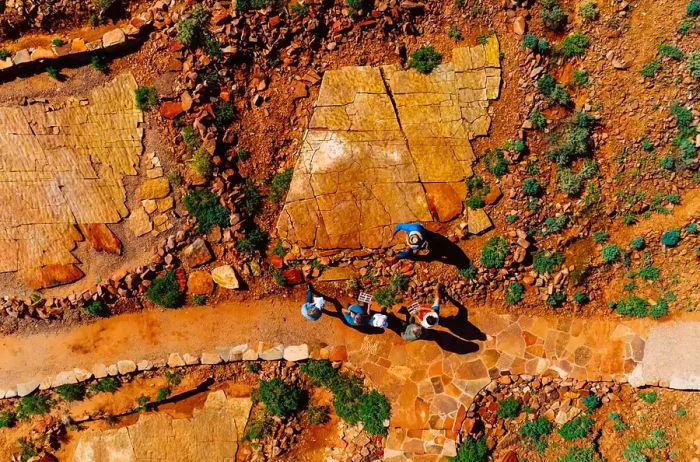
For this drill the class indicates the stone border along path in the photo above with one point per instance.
(430, 389)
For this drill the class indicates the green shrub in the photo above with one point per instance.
(514, 293)
(425, 59)
(280, 184)
(224, 113)
(96, 308)
(162, 394)
(385, 297)
(650, 69)
(580, 78)
(692, 228)
(659, 310)
(552, 16)
(255, 239)
(471, 450)
(71, 391)
(57, 42)
(532, 187)
(493, 252)
(455, 34)
(669, 51)
(536, 429)
(546, 262)
(165, 291)
(637, 243)
(247, 5)
(694, 64)
(495, 162)
(191, 138)
(648, 397)
(600, 237)
(556, 298)
(580, 297)
(321, 372)
(204, 206)
(98, 63)
(649, 273)
(469, 273)
(4, 54)
(539, 121)
(671, 238)
(576, 428)
(475, 202)
(34, 404)
(550, 88)
(279, 398)
(611, 253)
(360, 5)
(667, 162)
(146, 98)
(173, 378)
(103, 5)
(588, 10)
(508, 408)
(374, 410)
(106, 385)
(632, 306)
(53, 72)
(537, 45)
(576, 454)
(591, 402)
(572, 142)
(192, 31)
(317, 415)
(682, 114)
(7, 419)
(574, 45)
(693, 8)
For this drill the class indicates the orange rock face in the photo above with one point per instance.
(101, 238)
(53, 275)
(445, 199)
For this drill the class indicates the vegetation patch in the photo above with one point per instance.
(165, 291)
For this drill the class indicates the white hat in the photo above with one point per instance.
(379, 320)
(424, 322)
(319, 302)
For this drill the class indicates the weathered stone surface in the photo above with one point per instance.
(190, 360)
(27, 388)
(64, 378)
(139, 222)
(369, 153)
(272, 354)
(211, 358)
(99, 371)
(296, 352)
(200, 283)
(154, 188)
(52, 276)
(171, 109)
(144, 365)
(40, 53)
(101, 238)
(338, 273)
(113, 37)
(175, 360)
(81, 375)
(478, 221)
(196, 254)
(225, 276)
(126, 366)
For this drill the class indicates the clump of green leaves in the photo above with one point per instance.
(669, 51)
(573, 141)
(224, 113)
(536, 44)
(539, 121)
(146, 98)
(493, 252)
(472, 450)
(97, 62)
(279, 398)
(165, 291)
(692, 9)
(71, 391)
(385, 297)
(255, 239)
(648, 397)
(637, 243)
(201, 163)
(556, 298)
(514, 293)
(495, 162)
(580, 78)
(650, 69)
(96, 308)
(53, 72)
(671, 238)
(552, 16)
(611, 253)
(536, 430)
(550, 88)
(580, 297)
(633, 306)
(317, 415)
(590, 402)
(300, 9)
(600, 237)
(203, 205)
(508, 408)
(531, 187)
(280, 184)
(7, 419)
(694, 64)
(575, 45)
(578, 427)
(34, 404)
(588, 10)
(455, 34)
(546, 262)
(106, 385)
(4, 54)
(192, 32)
(425, 59)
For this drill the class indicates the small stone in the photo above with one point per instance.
(139, 222)
(225, 276)
(196, 254)
(64, 378)
(126, 366)
(211, 358)
(519, 26)
(190, 360)
(296, 352)
(272, 354)
(144, 365)
(200, 283)
(27, 388)
(113, 37)
(99, 371)
(175, 360)
(154, 188)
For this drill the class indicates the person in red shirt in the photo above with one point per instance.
(427, 317)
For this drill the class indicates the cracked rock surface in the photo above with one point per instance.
(387, 146)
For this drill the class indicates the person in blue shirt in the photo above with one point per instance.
(357, 315)
(416, 238)
(313, 308)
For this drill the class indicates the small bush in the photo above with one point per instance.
(495, 162)
(650, 69)
(201, 163)
(469, 273)
(103, 5)
(693, 8)
(173, 378)
(514, 293)
(588, 10)
(34, 404)
(247, 5)
(539, 121)
(576, 454)
(96, 308)
(556, 298)
(98, 63)
(224, 113)
(578, 427)
(591, 402)
(580, 297)
(508, 408)
(537, 45)
(279, 398)
(611, 253)
(146, 98)
(532, 187)
(669, 51)
(162, 394)
(575, 45)
(255, 239)
(7, 419)
(671, 238)
(425, 59)
(280, 184)
(165, 291)
(4, 54)
(692, 228)
(106, 385)
(493, 252)
(57, 42)
(53, 72)
(552, 16)
(191, 31)
(648, 397)
(632, 306)
(374, 410)
(579, 78)
(317, 415)
(475, 202)
(637, 243)
(536, 429)
(204, 206)
(71, 392)
(667, 162)
(682, 114)
(455, 34)
(572, 142)
(550, 88)
(600, 237)
(546, 262)
(694, 64)
(649, 273)
(659, 310)
(360, 5)
(472, 450)
(385, 297)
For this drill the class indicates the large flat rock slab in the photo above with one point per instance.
(386, 146)
(671, 357)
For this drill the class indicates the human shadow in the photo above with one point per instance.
(443, 250)
(459, 323)
(338, 313)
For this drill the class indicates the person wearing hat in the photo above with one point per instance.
(412, 332)
(428, 317)
(356, 315)
(379, 320)
(313, 308)
(415, 238)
